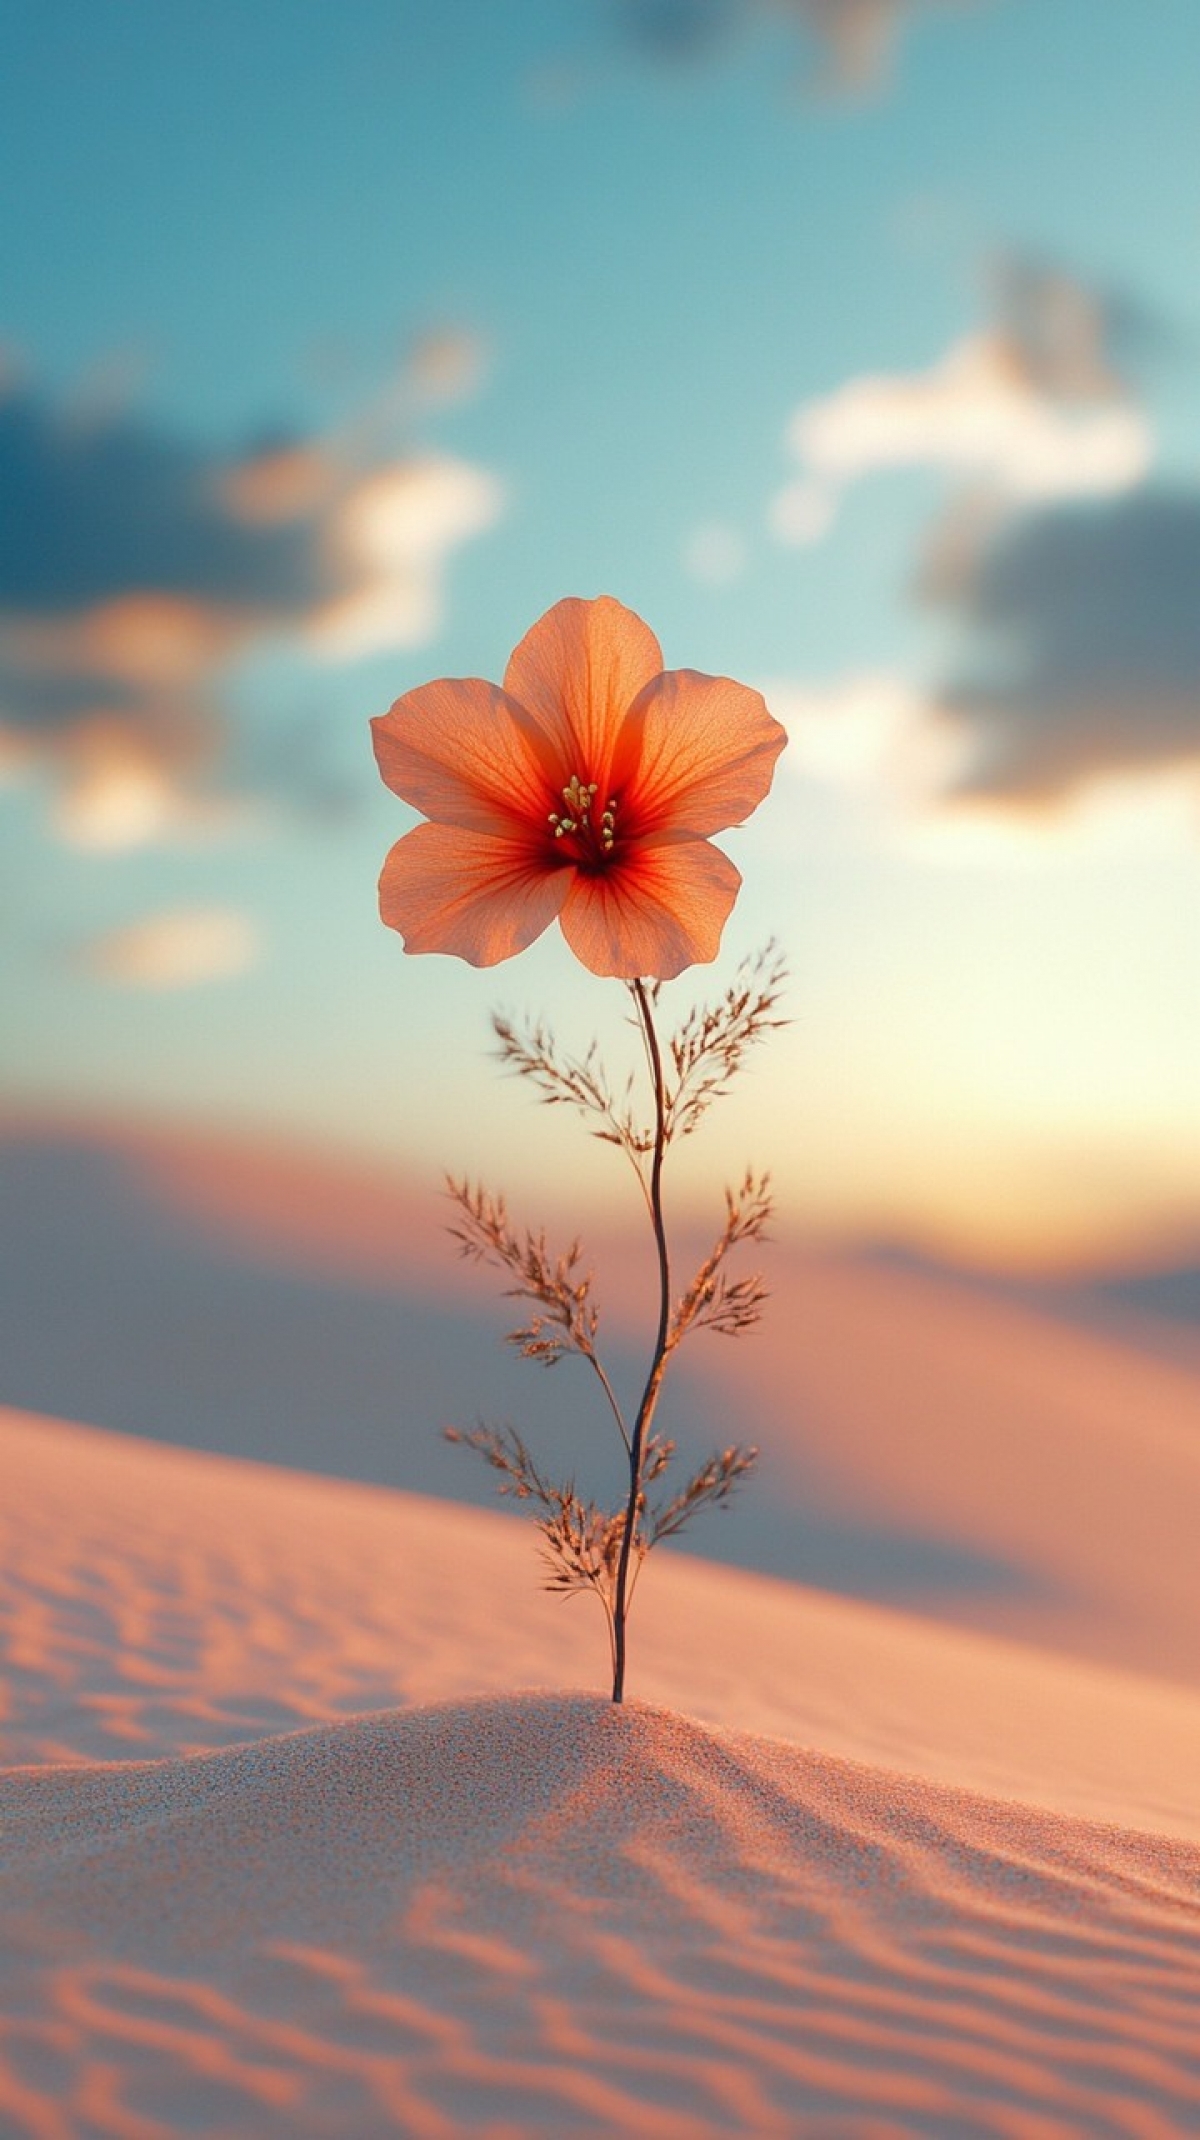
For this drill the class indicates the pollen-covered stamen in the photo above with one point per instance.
(579, 796)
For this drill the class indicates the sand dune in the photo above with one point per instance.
(540, 1914)
(157, 1601)
(294, 1842)
(926, 1443)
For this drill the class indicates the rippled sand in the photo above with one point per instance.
(284, 1853)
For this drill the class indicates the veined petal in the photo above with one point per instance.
(661, 910)
(696, 754)
(458, 750)
(477, 897)
(578, 671)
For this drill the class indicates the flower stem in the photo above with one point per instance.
(658, 1362)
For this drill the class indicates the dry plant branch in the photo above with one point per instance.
(555, 1283)
(581, 1542)
(712, 1484)
(700, 1062)
(588, 1547)
(710, 1047)
(576, 1081)
(713, 1301)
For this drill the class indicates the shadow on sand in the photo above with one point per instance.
(118, 1310)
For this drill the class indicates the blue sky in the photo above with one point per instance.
(701, 328)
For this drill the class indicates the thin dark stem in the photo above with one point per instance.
(610, 1393)
(659, 1359)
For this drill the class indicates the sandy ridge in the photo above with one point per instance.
(843, 1872)
(539, 1914)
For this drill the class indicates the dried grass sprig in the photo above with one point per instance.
(575, 1081)
(702, 1059)
(707, 1051)
(581, 1542)
(712, 1484)
(585, 1546)
(714, 1301)
(556, 1283)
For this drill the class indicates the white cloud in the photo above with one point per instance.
(181, 949)
(888, 742)
(872, 731)
(1146, 815)
(975, 414)
(1071, 581)
(802, 511)
(394, 532)
(714, 554)
(114, 796)
(980, 414)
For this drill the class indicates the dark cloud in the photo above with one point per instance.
(1083, 647)
(677, 29)
(94, 509)
(1072, 340)
(855, 38)
(135, 567)
(43, 703)
(1060, 332)
(127, 579)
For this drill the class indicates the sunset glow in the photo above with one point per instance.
(880, 410)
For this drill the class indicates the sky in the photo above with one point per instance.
(851, 343)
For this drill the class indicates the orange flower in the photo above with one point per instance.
(582, 792)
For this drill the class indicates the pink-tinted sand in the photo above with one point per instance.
(316, 1821)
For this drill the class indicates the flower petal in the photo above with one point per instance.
(460, 752)
(578, 671)
(478, 898)
(662, 908)
(696, 754)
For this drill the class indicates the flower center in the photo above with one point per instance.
(592, 837)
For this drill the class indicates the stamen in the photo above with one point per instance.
(579, 796)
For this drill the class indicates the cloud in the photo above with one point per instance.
(802, 512)
(973, 413)
(1069, 581)
(900, 755)
(137, 568)
(859, 36)
(445, 364)
(105, 510)
(180, 949)
(1066, 338)
(111, 793)
(854, 732)
(1030, 407)
(878, 740)
(976, 415)
(1073, 702)
(856, 38)
(391, 538)
(714, 554)
(1082, 648)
